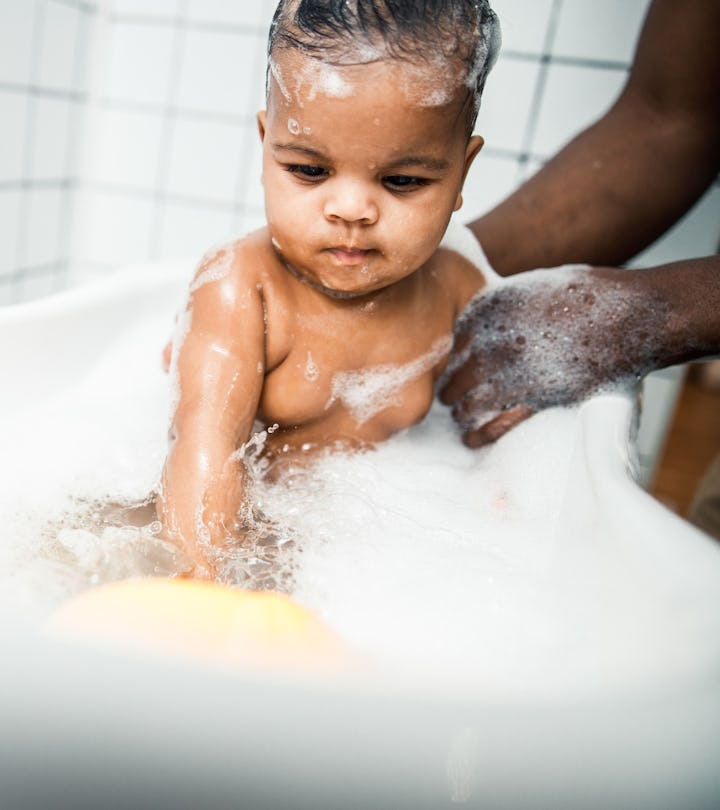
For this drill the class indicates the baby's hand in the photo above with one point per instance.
(547, 338)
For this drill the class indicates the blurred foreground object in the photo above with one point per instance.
(206, 622)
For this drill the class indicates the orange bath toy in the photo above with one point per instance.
(206, 622)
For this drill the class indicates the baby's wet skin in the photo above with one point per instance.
(333, 322)
(365, 179)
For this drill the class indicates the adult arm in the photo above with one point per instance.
(625, 180)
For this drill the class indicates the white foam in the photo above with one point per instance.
(440, 563)
(316, 77)
(369, 391)
(430, 85)
(217, 270)
(276, 73)
(312, 372)
(181, 331)
(331, 83)
(102, 438)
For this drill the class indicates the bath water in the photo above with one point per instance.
(435, 563)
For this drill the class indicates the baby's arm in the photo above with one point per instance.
(218, 368)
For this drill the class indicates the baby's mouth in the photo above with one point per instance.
(349, 256)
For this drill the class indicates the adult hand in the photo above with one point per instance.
(546, 338)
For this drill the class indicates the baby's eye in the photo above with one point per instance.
(403, 182)
(307, 172)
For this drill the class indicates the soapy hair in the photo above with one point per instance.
(346, 32)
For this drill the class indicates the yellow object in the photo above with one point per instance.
(202, 620)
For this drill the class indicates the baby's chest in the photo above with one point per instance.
(387, 390)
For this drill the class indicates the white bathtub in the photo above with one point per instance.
(83, 727)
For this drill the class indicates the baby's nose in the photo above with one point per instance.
(351, 202)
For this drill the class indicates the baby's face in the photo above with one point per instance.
(363, 166)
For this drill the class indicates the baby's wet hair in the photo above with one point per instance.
(347, 32)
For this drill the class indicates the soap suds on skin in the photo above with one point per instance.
(312, 372)
(316, 77)
(553, 372)
(276, 73)
(218, 262)
(431, 85)
(182, 329)
(369, 391)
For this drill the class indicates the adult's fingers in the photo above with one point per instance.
(460, 382)
(492, 430)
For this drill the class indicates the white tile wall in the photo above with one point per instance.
(258, 98)
(10, 218)
(51, 138)
(205, 159)
(43, 45)
(17, 22)
(160, 8)
(126, 148)
(524, 25)
(115, 225)
(253, 179)
(13, 114)
(140, 61)
(230, 12)
(189, 230)
(252, 220)
(604, 31)
(217, 73)
(58, 45)
(574, 96)
(490, 179)
(44, 219)
(503, 117)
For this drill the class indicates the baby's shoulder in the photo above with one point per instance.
(456, 275)
(243, 260)
(235, 271)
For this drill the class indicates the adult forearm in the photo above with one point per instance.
(690, 290)
(609, 194)
(622, 182)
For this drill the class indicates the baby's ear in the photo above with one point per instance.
(475, 144)
(261, 121)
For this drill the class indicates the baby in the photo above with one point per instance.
(332, 324)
